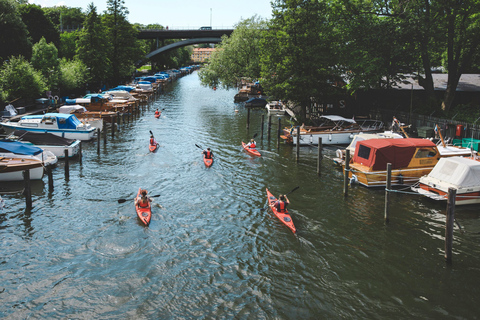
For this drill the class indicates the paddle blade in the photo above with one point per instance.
(256, 134)
(293, 190)
(198, 146)
(122, 200)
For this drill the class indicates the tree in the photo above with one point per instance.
(92, 48)
(68, 44)
(38, 25)
(65, 18)
(18, 79)
(13, 32)
(237, 56)
(45, 60)
(74, 75)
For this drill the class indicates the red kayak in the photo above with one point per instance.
(157, 115)
(208, 162)
(153, 147)
(251, 150)
(144, 214)
(283, 216)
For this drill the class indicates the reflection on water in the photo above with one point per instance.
(210, 251)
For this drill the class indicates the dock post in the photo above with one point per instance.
(298, 143)
(263, 123)
(113, 128)
(388, 186)
(452, 193)
(80, 155)
(346, 172)
(279, 132)
(50, 177)
(27, 191)
(105, 135)
(269, 128)
(248, 118)
(67, 165)
(118, 120)
(320, 157)
(98, 140)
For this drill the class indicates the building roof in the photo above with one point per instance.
(467, 83)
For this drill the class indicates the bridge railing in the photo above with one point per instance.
(187, 28)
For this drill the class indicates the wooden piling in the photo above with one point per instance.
(450, 219)
(105, 135)
(248, 118)
(269, 127)
(346, 172)
(387, 191)
(298, 143)
(279, 132)
(263, 123)
(67, 165)
(98, 140)
(50, 177)
(80, 154)
(28, 190)
(320, 157)
(113, 128)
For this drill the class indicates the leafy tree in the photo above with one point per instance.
(68, 44)
(92, 48)
(74, 75)
(237, 56)
(45, 60)
(18, 79)
(13, 32)
(65, 18)
(38, 25)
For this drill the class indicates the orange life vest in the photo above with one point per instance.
(281, 206)
(157, 112)
(252, 146)
(141, 204)
(152, 141)
(208, 154)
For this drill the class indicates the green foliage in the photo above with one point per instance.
(65, 18)
(18, 79)
(45, 60)
(68, 44)
(38, 25)
(74, 75)
(13, 32)
(238, 56)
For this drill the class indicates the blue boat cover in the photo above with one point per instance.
(18, 148)
(122, 88)
(64, 121)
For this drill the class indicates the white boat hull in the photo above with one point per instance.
(9, 127)
(327, 138)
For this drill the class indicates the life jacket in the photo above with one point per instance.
(252, 145)
(208, 154)
(152, 141)
(157, 112)
(141, 204)
(281, 206)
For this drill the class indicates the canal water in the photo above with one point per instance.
(210, 250)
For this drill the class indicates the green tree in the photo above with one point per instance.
(68, 44)
(13, 32)
(38, 25)
(92, 48)
(65, 18)
(238, 56)
(18, 79)
(45, 60)
(74, 75)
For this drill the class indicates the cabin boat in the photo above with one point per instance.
(255, 103)
(90, 117)
(11, 169)
(14, 149)
(333, 129)
(411, 158)
(63, 125)
(275, 108)
(48, 142)
(460, 173)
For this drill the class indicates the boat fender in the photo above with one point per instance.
(351, 136)
(330, 137)
(353, 180)
(400, 178)
(339, 154)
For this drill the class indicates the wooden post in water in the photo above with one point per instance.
(104, 135)
(50, 177)
(279, 132)
(388, 186)
(248, 118)
(67, 165)
(118, 120)
(80, 155)
(269, 128)
(113, 128)
(320, 157)
(98, 140)
(263, 123)
(298, 143)
(452, 193)
(27, 191)
(346, 172)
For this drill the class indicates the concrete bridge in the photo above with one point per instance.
(189, 37)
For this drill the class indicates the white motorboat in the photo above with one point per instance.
(275, 108)
(63, 125)
(48, 142)
(462, 174)
(15, 149)
(11, 169)
(83, 115)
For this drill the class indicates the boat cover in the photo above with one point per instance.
(72, 108)
(123, 88)
(64, 121)
(38, 138)
(376, 153)
(16, 147)
(458, 171)
(337, 118)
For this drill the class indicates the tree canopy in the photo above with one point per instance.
(13, 32)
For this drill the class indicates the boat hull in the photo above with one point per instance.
(251, 151)
(69, 134)
(208, 162)
(311, 138)
(153, 147)
(12, 169)
(400, 177)
(144, 214)
(464, 196)
(285, 218)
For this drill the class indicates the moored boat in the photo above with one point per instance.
(48, 142)
(275, 108)
(11, 169)
(252, 151)
(15, 149)
(143, 213)
(282, 216)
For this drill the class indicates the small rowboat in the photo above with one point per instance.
(208, 162)
(283, 216)
(144, 214)
(250, 150)
(153, 147)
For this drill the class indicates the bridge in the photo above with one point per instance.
(189, 37)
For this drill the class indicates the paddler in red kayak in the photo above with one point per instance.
(144, 201)
(252, 144)
(282, 203)
(208, 153)
(157, 112)
(153, 142)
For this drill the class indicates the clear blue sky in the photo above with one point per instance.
(180, 13)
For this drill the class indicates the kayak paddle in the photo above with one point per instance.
(294, 189)
(125, 200)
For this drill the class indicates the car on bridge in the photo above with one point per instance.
(205, 28)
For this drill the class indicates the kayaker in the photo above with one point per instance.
(208, 153)
(252, 144)
(144, 201)
(282, 203)
(157, 112)
(152, 140)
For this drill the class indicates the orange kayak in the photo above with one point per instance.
(251, 151)
(153, 147)
(208, 162)
(157, 115)
(144, 214)
(283, 216)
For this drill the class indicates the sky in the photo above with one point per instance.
(179, 14)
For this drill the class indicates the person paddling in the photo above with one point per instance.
(144, 201)
(152, 140)
(157, 112)
(208, 153)
(282, 203)
(252, 144)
